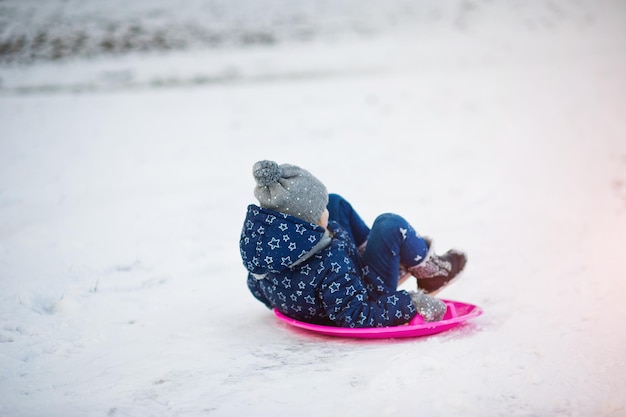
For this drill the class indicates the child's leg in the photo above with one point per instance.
(392, 241)
(342, 212)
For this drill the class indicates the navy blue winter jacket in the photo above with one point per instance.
(309, 275)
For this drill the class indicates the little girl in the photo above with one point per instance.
(310, 255)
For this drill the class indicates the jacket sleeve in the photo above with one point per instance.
(255, 288)
(347, 303)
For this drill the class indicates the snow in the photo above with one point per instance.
(124, 180)
(31, 31)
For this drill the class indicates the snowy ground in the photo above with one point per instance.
(124, 182)
(31, 30)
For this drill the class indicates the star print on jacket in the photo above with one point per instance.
(315, 278)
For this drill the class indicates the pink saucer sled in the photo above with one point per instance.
(457, 313)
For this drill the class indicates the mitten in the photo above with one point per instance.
(430, 308)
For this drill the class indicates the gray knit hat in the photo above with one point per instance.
(290, 190)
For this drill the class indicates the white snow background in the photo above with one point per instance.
(498, 127)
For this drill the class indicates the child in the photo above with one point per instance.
(310, 256)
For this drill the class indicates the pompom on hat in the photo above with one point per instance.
(289, 189)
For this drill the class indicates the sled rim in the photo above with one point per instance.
(457, 313)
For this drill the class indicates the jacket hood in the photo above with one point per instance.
(272, 241)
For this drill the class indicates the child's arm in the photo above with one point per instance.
(347, 303)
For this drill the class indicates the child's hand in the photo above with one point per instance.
(430, 308)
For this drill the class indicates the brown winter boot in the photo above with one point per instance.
(437, 272)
